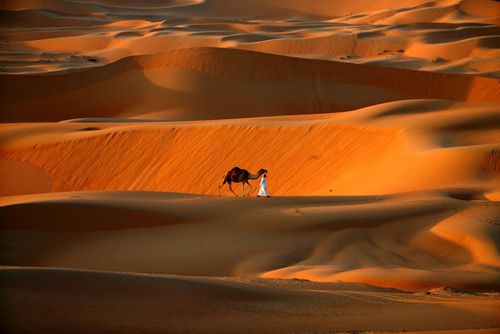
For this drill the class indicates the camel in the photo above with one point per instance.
(240, 175)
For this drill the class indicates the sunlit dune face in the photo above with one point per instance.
(445, 36)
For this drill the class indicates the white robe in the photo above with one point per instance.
(263, 187)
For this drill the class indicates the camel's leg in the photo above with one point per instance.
(223, 183)
(231, 188)
(242, 188)
(249, 187)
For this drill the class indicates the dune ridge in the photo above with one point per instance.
(445, 36)
(341, 154)
(366, 244)
(192, 80)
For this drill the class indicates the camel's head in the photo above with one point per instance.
(262, 171)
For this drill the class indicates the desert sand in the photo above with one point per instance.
(379, 124)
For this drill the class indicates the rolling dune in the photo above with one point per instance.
(47, 36)
(408, 241)
(210, 83)
(378, 123)
(395, 147)
(248, 306)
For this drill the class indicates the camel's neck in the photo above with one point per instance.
(254, 176)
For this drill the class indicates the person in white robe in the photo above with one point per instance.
(263, 187)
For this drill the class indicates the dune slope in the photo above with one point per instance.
(456, 36)
(247, 306)
(395, 147)
(410, 241)
(213, 83)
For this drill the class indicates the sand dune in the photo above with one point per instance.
(247, 306)
(378, 123)
(413, 34)
(419, 144)
(18, 178)
(210, 83)
(408, 241)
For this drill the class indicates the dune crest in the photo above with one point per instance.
(414, 241)
(447, 36)
(341, 154)
(209, 83)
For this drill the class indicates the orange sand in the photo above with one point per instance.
(379, 123)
